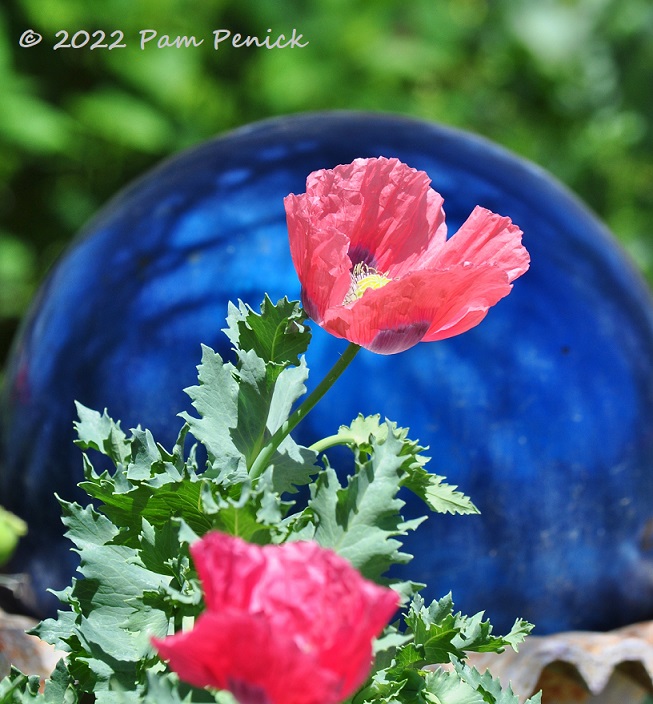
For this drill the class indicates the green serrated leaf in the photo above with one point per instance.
(362, 520)
(18, 688)
(439, 633)
(431, 488)
(292, 465)
(241, 521)
(383, 690)
(57, 631)
(362, 429)
(278, 335)
(444, 687)
(113, 618)
(86, 527)
(271, 509)
(216, 400)
(113, 584)
(436, 493)
(243, 514)
(158, 499)
(100, 432)
(435, 629)
(243, 408)
(290, 386)
(270, 405)
(61, 687)
(390, 641)
(94, 674)
(489, 686)
(254, 397)
(408, 657)
(145, 455)
(161, 548)
(476, 635)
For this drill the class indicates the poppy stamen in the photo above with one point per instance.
(362, 278)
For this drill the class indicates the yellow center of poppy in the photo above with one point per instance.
(362, 278)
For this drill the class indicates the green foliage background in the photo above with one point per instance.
(566, 83)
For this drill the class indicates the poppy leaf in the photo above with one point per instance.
(489, 686)
(445, 686)
(440, 634)
(137, 583)
(431, 488)
(216, 400)
(436, 493)
(362, 520)
(263, 407)
(278, 335)
(99, 432)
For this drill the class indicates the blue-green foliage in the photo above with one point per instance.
(136, 579)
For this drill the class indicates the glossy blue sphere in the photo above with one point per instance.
(543, 414)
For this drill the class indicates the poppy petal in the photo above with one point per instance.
(391, 313)
(473, 291)
(229, 570)
(423, 306)
(386, 209)
(242, 653)
(486, 238)
(319, 256)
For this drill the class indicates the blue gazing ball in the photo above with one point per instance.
(543, 414)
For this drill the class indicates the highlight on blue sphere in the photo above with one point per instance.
(543, 414)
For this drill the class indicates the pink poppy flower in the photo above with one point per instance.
(369, 243)
(284, 624)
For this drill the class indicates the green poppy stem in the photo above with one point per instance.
(266, 454)
(332, 441)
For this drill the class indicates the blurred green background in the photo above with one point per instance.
(564, 83)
